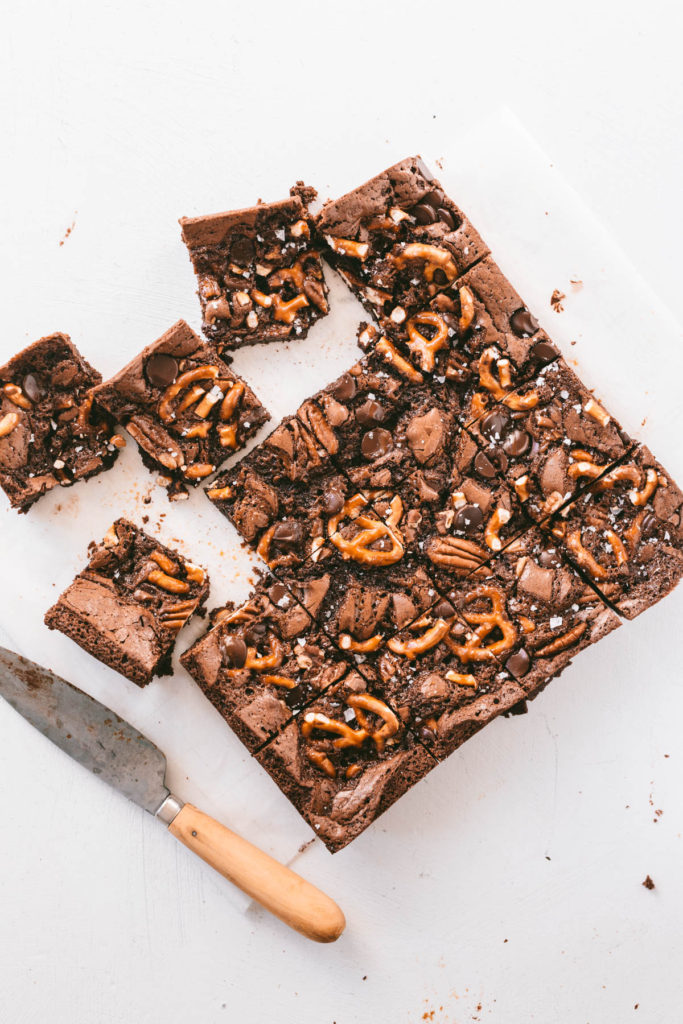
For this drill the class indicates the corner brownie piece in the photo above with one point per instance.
(550, 438)
(183, 406)
(50, 432)
(398, 239)
(344, 760)
(129, 603)
(259, 271)
(626, 533)
(263, 662)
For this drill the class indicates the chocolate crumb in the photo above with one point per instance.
(648, 883)
(556, 300)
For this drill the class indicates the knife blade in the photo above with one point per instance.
(117, 753)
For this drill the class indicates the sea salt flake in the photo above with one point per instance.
(555, 622)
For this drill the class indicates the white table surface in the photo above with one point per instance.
(506, 887)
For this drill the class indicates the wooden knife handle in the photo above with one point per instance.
(294, 900)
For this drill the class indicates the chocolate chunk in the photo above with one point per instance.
(242, 250)
(523, 323)
(32, 388)
(443, 609)
(446, 217)
(518, 664)
(486, 465)
(371, 413)
(376, 443)
(235, 651)
(255, 633)
(343, 389)
(495, 423)
(516, 443)
(468, 518)
(544, 352)
(161, 370)
(333, 502)
(424, 214)
(287, 535)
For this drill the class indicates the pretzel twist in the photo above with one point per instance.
(423, 348)
(486, 623)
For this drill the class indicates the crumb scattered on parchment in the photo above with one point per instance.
(556, 300)
(70, 228)
(648, 883)
(439, 163)
(304, 847)
(576, 283)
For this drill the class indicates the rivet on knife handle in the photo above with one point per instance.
(281, 891)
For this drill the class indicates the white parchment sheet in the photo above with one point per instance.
(613, 330)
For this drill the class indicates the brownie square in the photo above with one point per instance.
(359, 605)
(129, 603)
(459, 523)
(398, 239)
(625, 533)
(550, 439)
(478, 311)
(531, 609)
(263, 662)
(51, 433)
(345, 760)
(187, 411)
(259, 271)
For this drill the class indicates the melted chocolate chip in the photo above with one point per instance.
(371, 413)
(516, 443)
(544, 352)
(434, 198)
(440, 276)
(486, 465)
(278, 593)
(495, 423)
(443, 609)
(235, 651)
(518, 664)
(468, 518)
(287, 535)
(242, 250)
(333, 502)
(523, 323)
(343, 389)
(648, 524)
(161, 370)
(446, 217)
(549, 558)
(376, 443)
(31, 388)
(424, 214)
(426, 734)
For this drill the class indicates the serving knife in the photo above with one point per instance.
(115, 751)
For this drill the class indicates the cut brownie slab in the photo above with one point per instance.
(626, 532)
(183, 406)
(50, 432)
(259, 271)
(550, 438)
(129, 603)
(398, 239)
(263, 662)
(345, 760)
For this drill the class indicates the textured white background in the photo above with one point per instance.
(118, 118)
